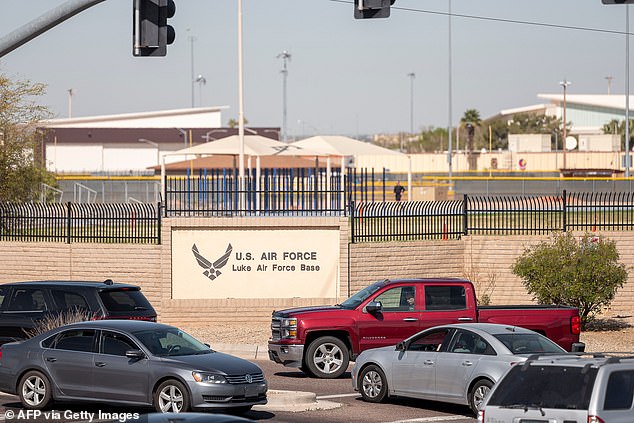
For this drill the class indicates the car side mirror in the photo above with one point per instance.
(400, 346)
(374, 307)
(578, 347)
(135, 354)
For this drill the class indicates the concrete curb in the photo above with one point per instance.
(295, 401)
(246, 351)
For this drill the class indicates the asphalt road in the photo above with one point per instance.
(352, 409)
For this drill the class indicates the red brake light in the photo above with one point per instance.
(595, 419)
(481, 416)
(575, 325)
(0, 353)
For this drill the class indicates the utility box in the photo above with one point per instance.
(607, 142)
(433, 193)
(529, 143)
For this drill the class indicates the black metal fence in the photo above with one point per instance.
(273, 192)
(491, 215)
(70, 222)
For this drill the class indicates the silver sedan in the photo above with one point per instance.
(452, 363)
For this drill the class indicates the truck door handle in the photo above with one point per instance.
(410, 319)
(51, 359)
(465, 319)
(100, 364)
(467, 363)
(428, 362)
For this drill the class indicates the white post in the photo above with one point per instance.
(241, 108)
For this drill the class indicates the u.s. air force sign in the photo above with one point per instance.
(255, 263)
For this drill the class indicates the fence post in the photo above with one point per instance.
(352, 210)
(465, 220)
(158, 222)
(565, 214)
(68, 221)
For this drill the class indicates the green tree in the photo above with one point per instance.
(233, 123)
(471, 121)
(583, 273)
(21, 166)
(618, 127)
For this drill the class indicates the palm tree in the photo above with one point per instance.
(471, 120)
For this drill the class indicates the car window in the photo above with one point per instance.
(466, 342)
(430, 341)
(171, 341)
(620, 391)
(401, 298)
(440, 297)
(27, 299)
(124, 300)
(67, 300)
(563, 387)
(3, 293)
(75, 340)
(528, 343)
(113, 343)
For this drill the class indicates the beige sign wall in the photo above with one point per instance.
(253, 263)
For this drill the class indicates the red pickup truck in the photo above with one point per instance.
(323, 340)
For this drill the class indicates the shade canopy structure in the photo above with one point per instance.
(254, 146)
(349, 147)
(343, 146)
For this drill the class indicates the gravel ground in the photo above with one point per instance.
(610, 333)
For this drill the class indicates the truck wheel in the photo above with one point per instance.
(478, 393)
(373, 384)
(327, 357)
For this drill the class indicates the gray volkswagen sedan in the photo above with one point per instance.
(452, 363)
(128, 362)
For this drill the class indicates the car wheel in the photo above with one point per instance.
(373, 384)
(327, 357)
(34, 390)
(478, 393)
(171, 397)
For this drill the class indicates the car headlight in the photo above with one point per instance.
(288, 328)
(208, 377)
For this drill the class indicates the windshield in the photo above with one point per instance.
(171, 342)
(354, 301)
(534, 385)
(528, 343)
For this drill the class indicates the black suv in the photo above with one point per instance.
(23, 304)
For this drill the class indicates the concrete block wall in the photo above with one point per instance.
(485, 260)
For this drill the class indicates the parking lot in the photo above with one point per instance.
(352, 408)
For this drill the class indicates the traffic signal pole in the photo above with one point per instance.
(38, 26)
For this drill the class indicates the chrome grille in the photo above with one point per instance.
(239, 379)
(276, 327)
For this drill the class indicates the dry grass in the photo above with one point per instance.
(57, 320)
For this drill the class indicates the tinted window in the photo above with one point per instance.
(67, 300)
(445, 298)
(620, 391)
(401, 298)
(536, 385)
(430, 341)
(528, 343)
(122, 301)
(75, 340)
(116, 344)
(27, 299)
(3, 293)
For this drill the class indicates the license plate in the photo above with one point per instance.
(533, 421)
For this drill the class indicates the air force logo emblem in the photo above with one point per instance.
(212, 269)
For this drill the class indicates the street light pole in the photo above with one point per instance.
(411, 76)
(193, 80)
(627, 91)
(240, 109)
(285, 56)
(564, 84)
(449, 146)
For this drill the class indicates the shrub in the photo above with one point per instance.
(53, 321)
(583, 273)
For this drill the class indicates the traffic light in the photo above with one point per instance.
(150, 33)
(370, 9)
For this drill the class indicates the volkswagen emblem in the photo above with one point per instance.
(248, 378)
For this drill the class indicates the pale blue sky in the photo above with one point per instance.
(346, 76)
